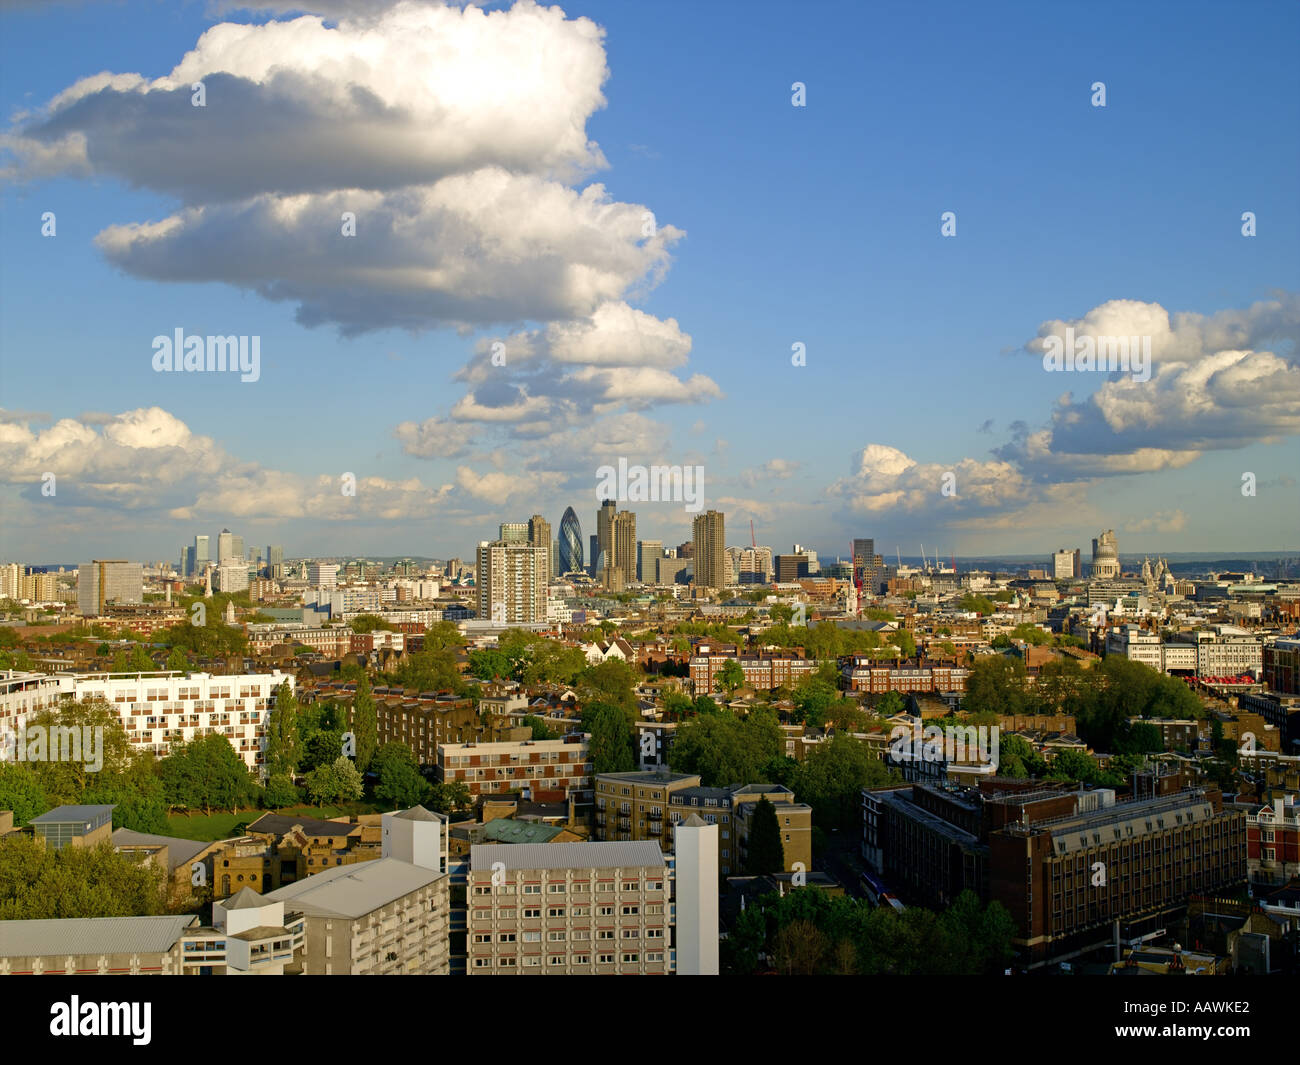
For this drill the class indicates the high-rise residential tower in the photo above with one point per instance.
(106, 581)
(510, 581)
(539, 535)
(624, 543)
(605, 532)
(710, 551)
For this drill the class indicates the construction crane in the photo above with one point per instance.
(753, 542)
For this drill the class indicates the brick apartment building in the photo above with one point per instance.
(1066, 863)
(537, 765)
(762, 672)
(648, 806)
(867, 675)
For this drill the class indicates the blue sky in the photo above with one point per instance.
(774, 224)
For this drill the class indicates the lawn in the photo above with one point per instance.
(220, 824)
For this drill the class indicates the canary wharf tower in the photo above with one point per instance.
(570, 543)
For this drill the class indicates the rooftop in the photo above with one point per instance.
(354, 890)
(93, 935)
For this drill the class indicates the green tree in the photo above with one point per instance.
(1074, 765)
(364, 725)
(725, 750)
(610, 682)
(766, 854)
(336, 782)
(487, 664)
(178, 660)
(832, 777)
(400, 783)
(282, 736)
(611, 745)
(541, 731)
(730, 677)
(41, 884)
(281, 792)
(21, 792)
(1018, 758)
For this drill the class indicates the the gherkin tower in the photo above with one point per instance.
(570, 543)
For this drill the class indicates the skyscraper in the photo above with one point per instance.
(225, 546)
(624, 538)
(509, 581)
(570, 543)
(106, 581)
(539, 535)
(514, 531)
(648, 555)
(710, 550)
(275, 561)
(605, 532)
(202, 555)
(593, 553)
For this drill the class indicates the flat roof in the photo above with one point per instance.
(63, 815)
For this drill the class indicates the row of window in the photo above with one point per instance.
(532, 961)
(578, 888)
(560, 935)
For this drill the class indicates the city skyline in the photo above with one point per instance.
(607, 281)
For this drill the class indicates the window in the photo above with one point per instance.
(605, 933)
(581, 911)
(555, 889)
(556, 959)
(654, 933)
(555, 911)
(605, 911)
(631, 933)
(555, 937)
(532, 937)
(631, 958)
(532, 960)
(506, 937)
(532, 889)
(506, 963)
(604, 959)
(628, 910)
(535, 912)
(482, 937)
(582, 959)
(631, 885)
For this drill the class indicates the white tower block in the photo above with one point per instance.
(696, 842)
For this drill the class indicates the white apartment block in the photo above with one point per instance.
(498, 768)
(600, 908)
(158, 708)
(323, 574)
(232, 576)
(22, 694)
(511, 581)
